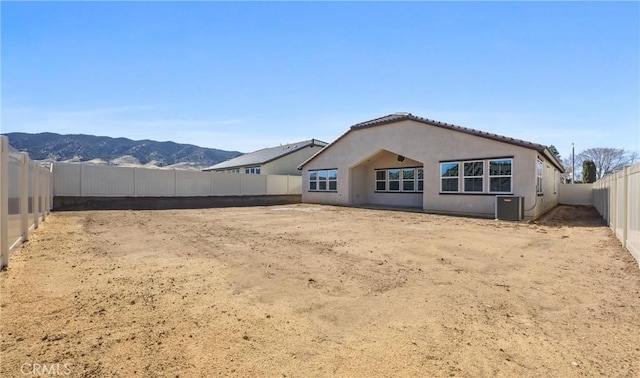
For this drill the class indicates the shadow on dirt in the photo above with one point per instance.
(572, 216)
(167, 203)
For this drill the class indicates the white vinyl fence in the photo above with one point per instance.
(83, 180)
(25, 197)
(576, 194)
(617, 198)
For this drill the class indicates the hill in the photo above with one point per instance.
(116, 151)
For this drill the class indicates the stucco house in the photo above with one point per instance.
(402, 160)
(280, 160)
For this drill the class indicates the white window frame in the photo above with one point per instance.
(510, 176)
(475, 177)
(412, 180)
(539, 176)
(382, 181)
(398, 180)
(457, 177)
(332, 180)
(324, 180)
(417, 171)
(486, 176)
(313, 181)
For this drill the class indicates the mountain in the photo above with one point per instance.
(116, 151)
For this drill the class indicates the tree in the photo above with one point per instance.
(588, 172)
(608, 160)
(555, 151)
(568, 169)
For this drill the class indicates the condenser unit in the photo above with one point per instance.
(510, 208)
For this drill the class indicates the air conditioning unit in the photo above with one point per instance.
(510, 208)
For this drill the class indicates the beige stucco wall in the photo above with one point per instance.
(356, 154)
(551, 188)
(288, 164)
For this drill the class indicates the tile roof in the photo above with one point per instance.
(398, 117)
(265, 155)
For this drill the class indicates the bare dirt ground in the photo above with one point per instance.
(305, 290)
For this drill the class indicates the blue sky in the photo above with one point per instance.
(247, 75)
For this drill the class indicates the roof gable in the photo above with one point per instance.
(399, 117)
(265, 155)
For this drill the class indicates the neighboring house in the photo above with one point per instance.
(281, 160)
(401, 160)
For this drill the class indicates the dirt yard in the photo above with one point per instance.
(305, 290)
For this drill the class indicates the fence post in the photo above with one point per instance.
(4, 202)
(175, 182)
(135, 181)
(36, 193)
(24, 196)
(45, 195)
(51, 182)
(613, 203)
(605, 200)
(81, 178)
(43, 190)
(625, 203)
(45, 177)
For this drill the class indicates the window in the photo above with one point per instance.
(381, 180)
(394, 180)
(399, 180)
(500, 175)
(539, 170)
(252, 170)
(333, 179)
(408, 180)
(313, 180)
(473, 173)
(486, 176)
(449, 177)
(323, 180)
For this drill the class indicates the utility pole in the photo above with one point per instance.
(573, 164)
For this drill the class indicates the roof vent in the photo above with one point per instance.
(402, 113)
